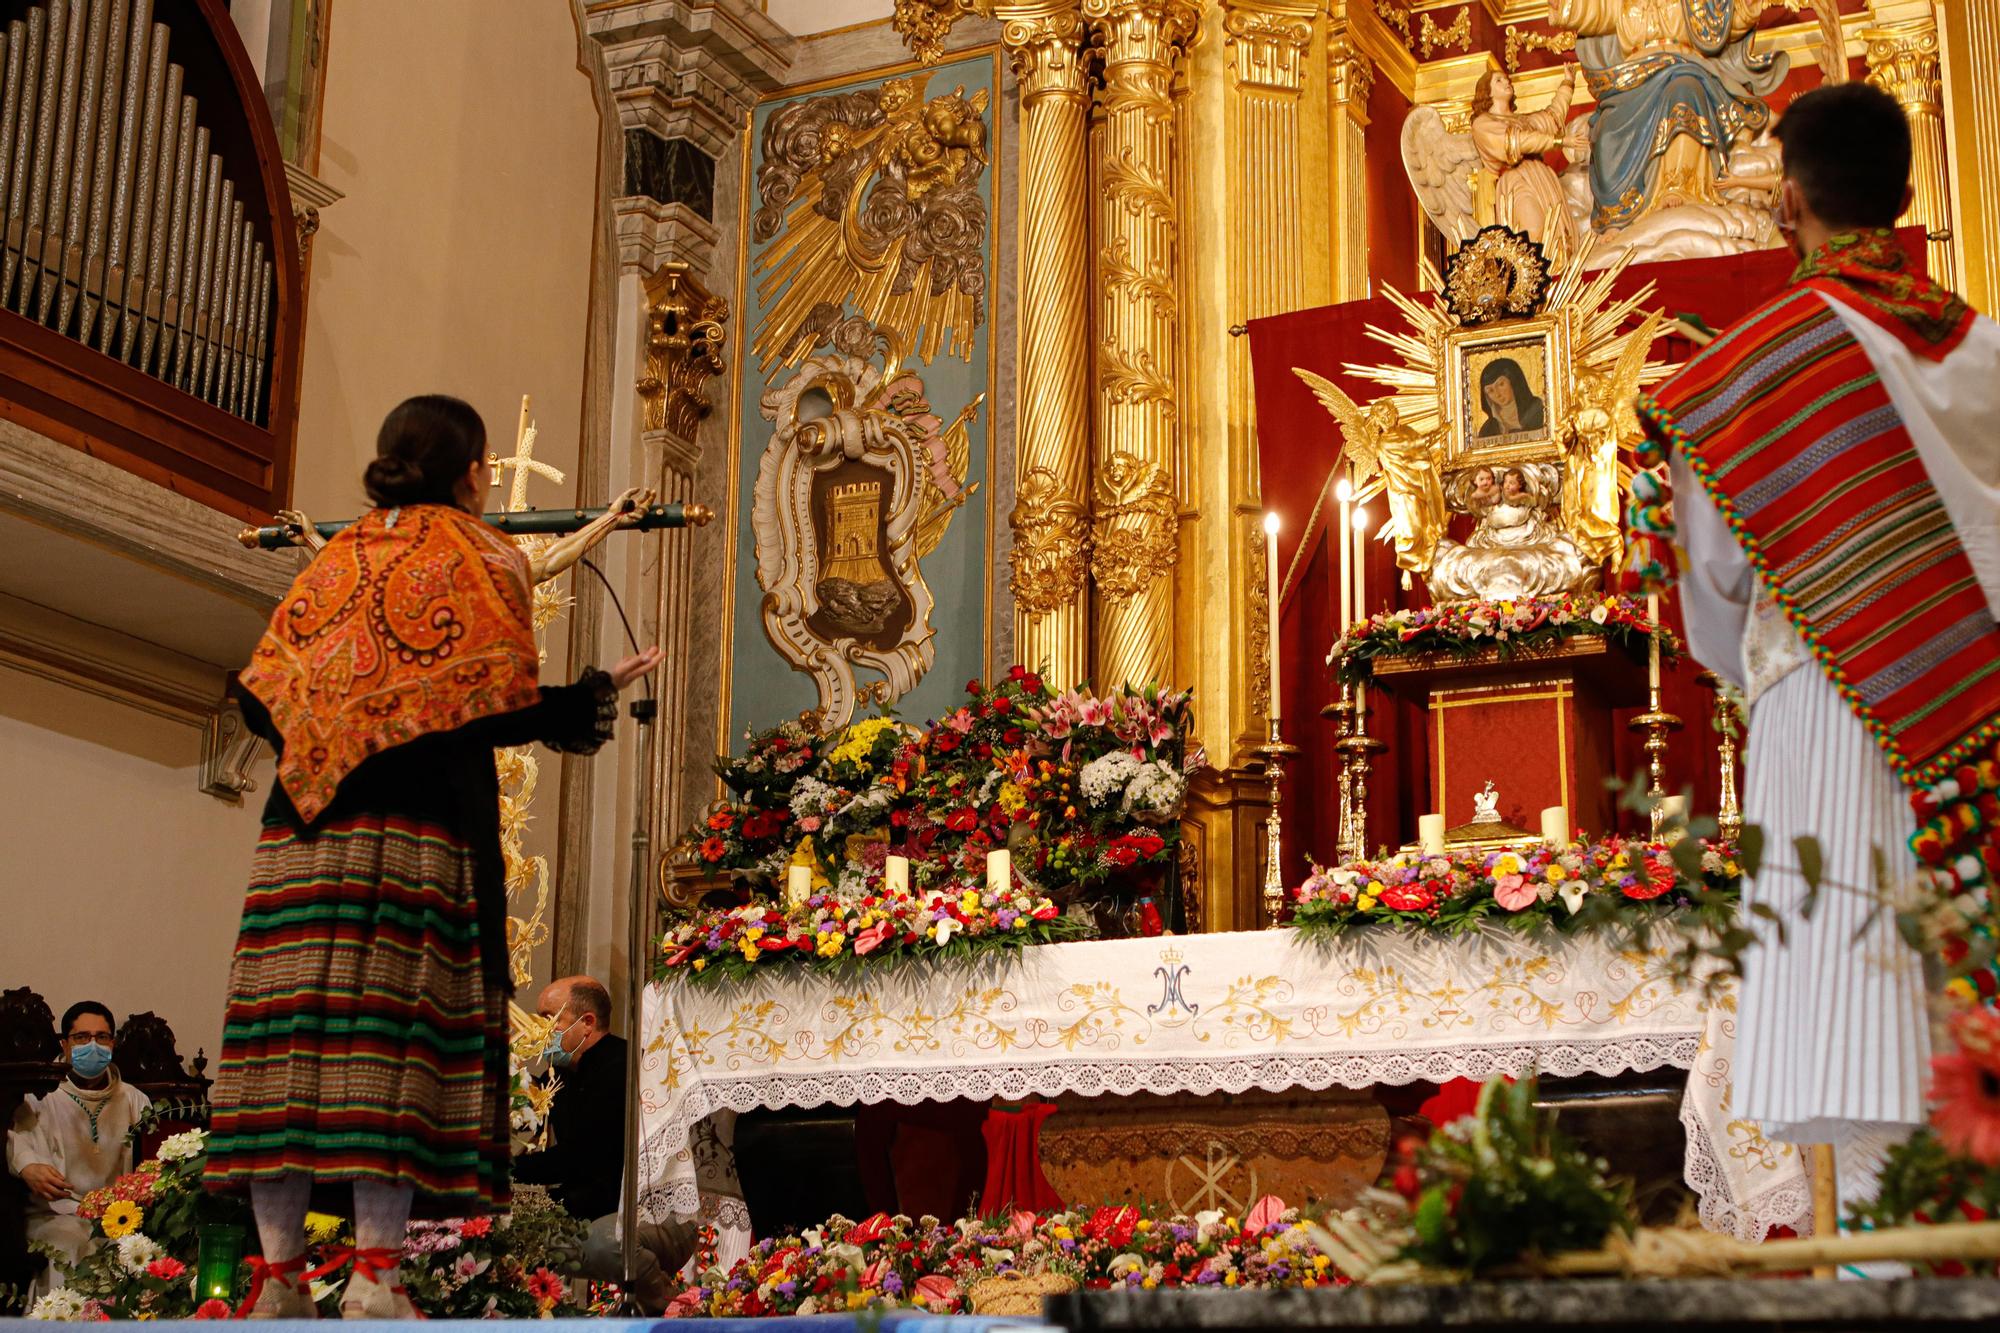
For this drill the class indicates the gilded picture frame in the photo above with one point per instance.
(1506, 393)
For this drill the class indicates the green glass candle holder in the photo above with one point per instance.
(219, 1256)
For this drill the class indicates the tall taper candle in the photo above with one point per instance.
(999, 871)
(1343, 560)
(896, 874)
(1360, 597)
(1271, 584)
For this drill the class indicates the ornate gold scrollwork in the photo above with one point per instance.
(1051, 544)
(924, 24)
(1433, 38)
(1527, 39)
(1137, 537)
(683, 349)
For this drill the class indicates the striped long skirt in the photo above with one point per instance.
(362, 1041)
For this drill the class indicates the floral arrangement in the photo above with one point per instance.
(887, 1262)
(1502, 1184)
(148, 1221)
(1463, 628)
(1950, 1170)
(885, 924)
(1080, 789)
(1583, 884)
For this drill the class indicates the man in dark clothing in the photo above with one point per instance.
(584, 1164)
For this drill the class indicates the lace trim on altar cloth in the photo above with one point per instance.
(674, 1191)
(1786, 1203)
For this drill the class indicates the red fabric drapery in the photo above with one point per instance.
(1014, 1178)
(1298, 446)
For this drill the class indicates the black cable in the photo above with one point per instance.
(646, 697)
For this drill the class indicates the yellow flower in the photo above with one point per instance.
(122, 1218)
(829, 945)
(1230, 1278)
(322, 1228)
(1011, 797)
(1149, 1283)
(1556, 873)
(1507, 864)
(700, 964)
(1365, 901)
(749, 949)
(1145, 1225)
(1064, 1233)
(856, 1299)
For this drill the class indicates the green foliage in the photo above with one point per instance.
(1504, 1186)
(1922, 1182)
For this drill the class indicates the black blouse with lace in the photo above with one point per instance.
(448, 779)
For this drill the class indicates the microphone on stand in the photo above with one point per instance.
(521, 523)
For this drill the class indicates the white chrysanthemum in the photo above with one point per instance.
(1155, 794)
(1104, 777)
(137, 1250)
(64, 1303)
(180, 1147)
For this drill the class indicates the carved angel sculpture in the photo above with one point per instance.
(1510, 144)
(1375, 438)
(1602, 420)
(1514, 550)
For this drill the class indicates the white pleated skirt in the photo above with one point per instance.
(1833, 1028)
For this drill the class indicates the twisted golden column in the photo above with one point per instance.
(1136, 533)
(1051, 516)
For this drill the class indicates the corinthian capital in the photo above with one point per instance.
(1152, 31)
(1904, 61)
(1267, 44)
(1046, 45)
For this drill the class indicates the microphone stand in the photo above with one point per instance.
(638, 950)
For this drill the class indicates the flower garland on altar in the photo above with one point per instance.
(1512, 625)
(889, 1262)
(1590, 883)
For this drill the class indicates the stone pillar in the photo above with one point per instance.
(1136, 531)
(1972, 71)
(1903, 60)
(681, 79)
(1051, 517)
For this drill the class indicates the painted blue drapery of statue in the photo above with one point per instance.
(1676, 84)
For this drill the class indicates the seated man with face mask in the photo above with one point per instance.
(77, 1138)
(584, 1164)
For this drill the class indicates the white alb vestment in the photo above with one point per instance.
(1833, 1036)
(56, 1130)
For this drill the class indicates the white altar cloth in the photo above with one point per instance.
(1178, 1014)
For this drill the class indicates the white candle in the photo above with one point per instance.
(1673, 809)
(798, 885)
(1360, 598)
(1344, 566)
(999, 871)
(1271, 584)
(896, 874)
(1653, 649)
(1555, 826)
(1430, 834)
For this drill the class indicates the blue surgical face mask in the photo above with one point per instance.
(89, 1060)
(554, 1053)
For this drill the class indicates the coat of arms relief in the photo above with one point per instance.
(871, 205)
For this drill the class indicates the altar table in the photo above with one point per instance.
(1183, 1014)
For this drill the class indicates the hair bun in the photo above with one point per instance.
(394, 481)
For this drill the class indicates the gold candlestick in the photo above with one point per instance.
(1274, 752)
(1656, 724)
(1355, 748)
(1728, 724)
(1341, 714)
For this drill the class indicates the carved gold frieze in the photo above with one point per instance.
(1051, 552)
(871, 200)
(684, 337)
(1457, 37)
(925, 24)
(1528, 39)
(1137, 537)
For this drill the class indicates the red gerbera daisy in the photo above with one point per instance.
(1965, 1088)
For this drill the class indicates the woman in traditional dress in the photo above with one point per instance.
(365, 1044)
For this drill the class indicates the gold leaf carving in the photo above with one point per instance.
(1051, 543)
(1137, 537)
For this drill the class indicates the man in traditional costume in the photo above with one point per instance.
(1836, 471)
(364, 1050)
(77, 1138)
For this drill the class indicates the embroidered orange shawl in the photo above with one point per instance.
(412, 621)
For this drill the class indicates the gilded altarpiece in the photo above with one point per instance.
(862, 567)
